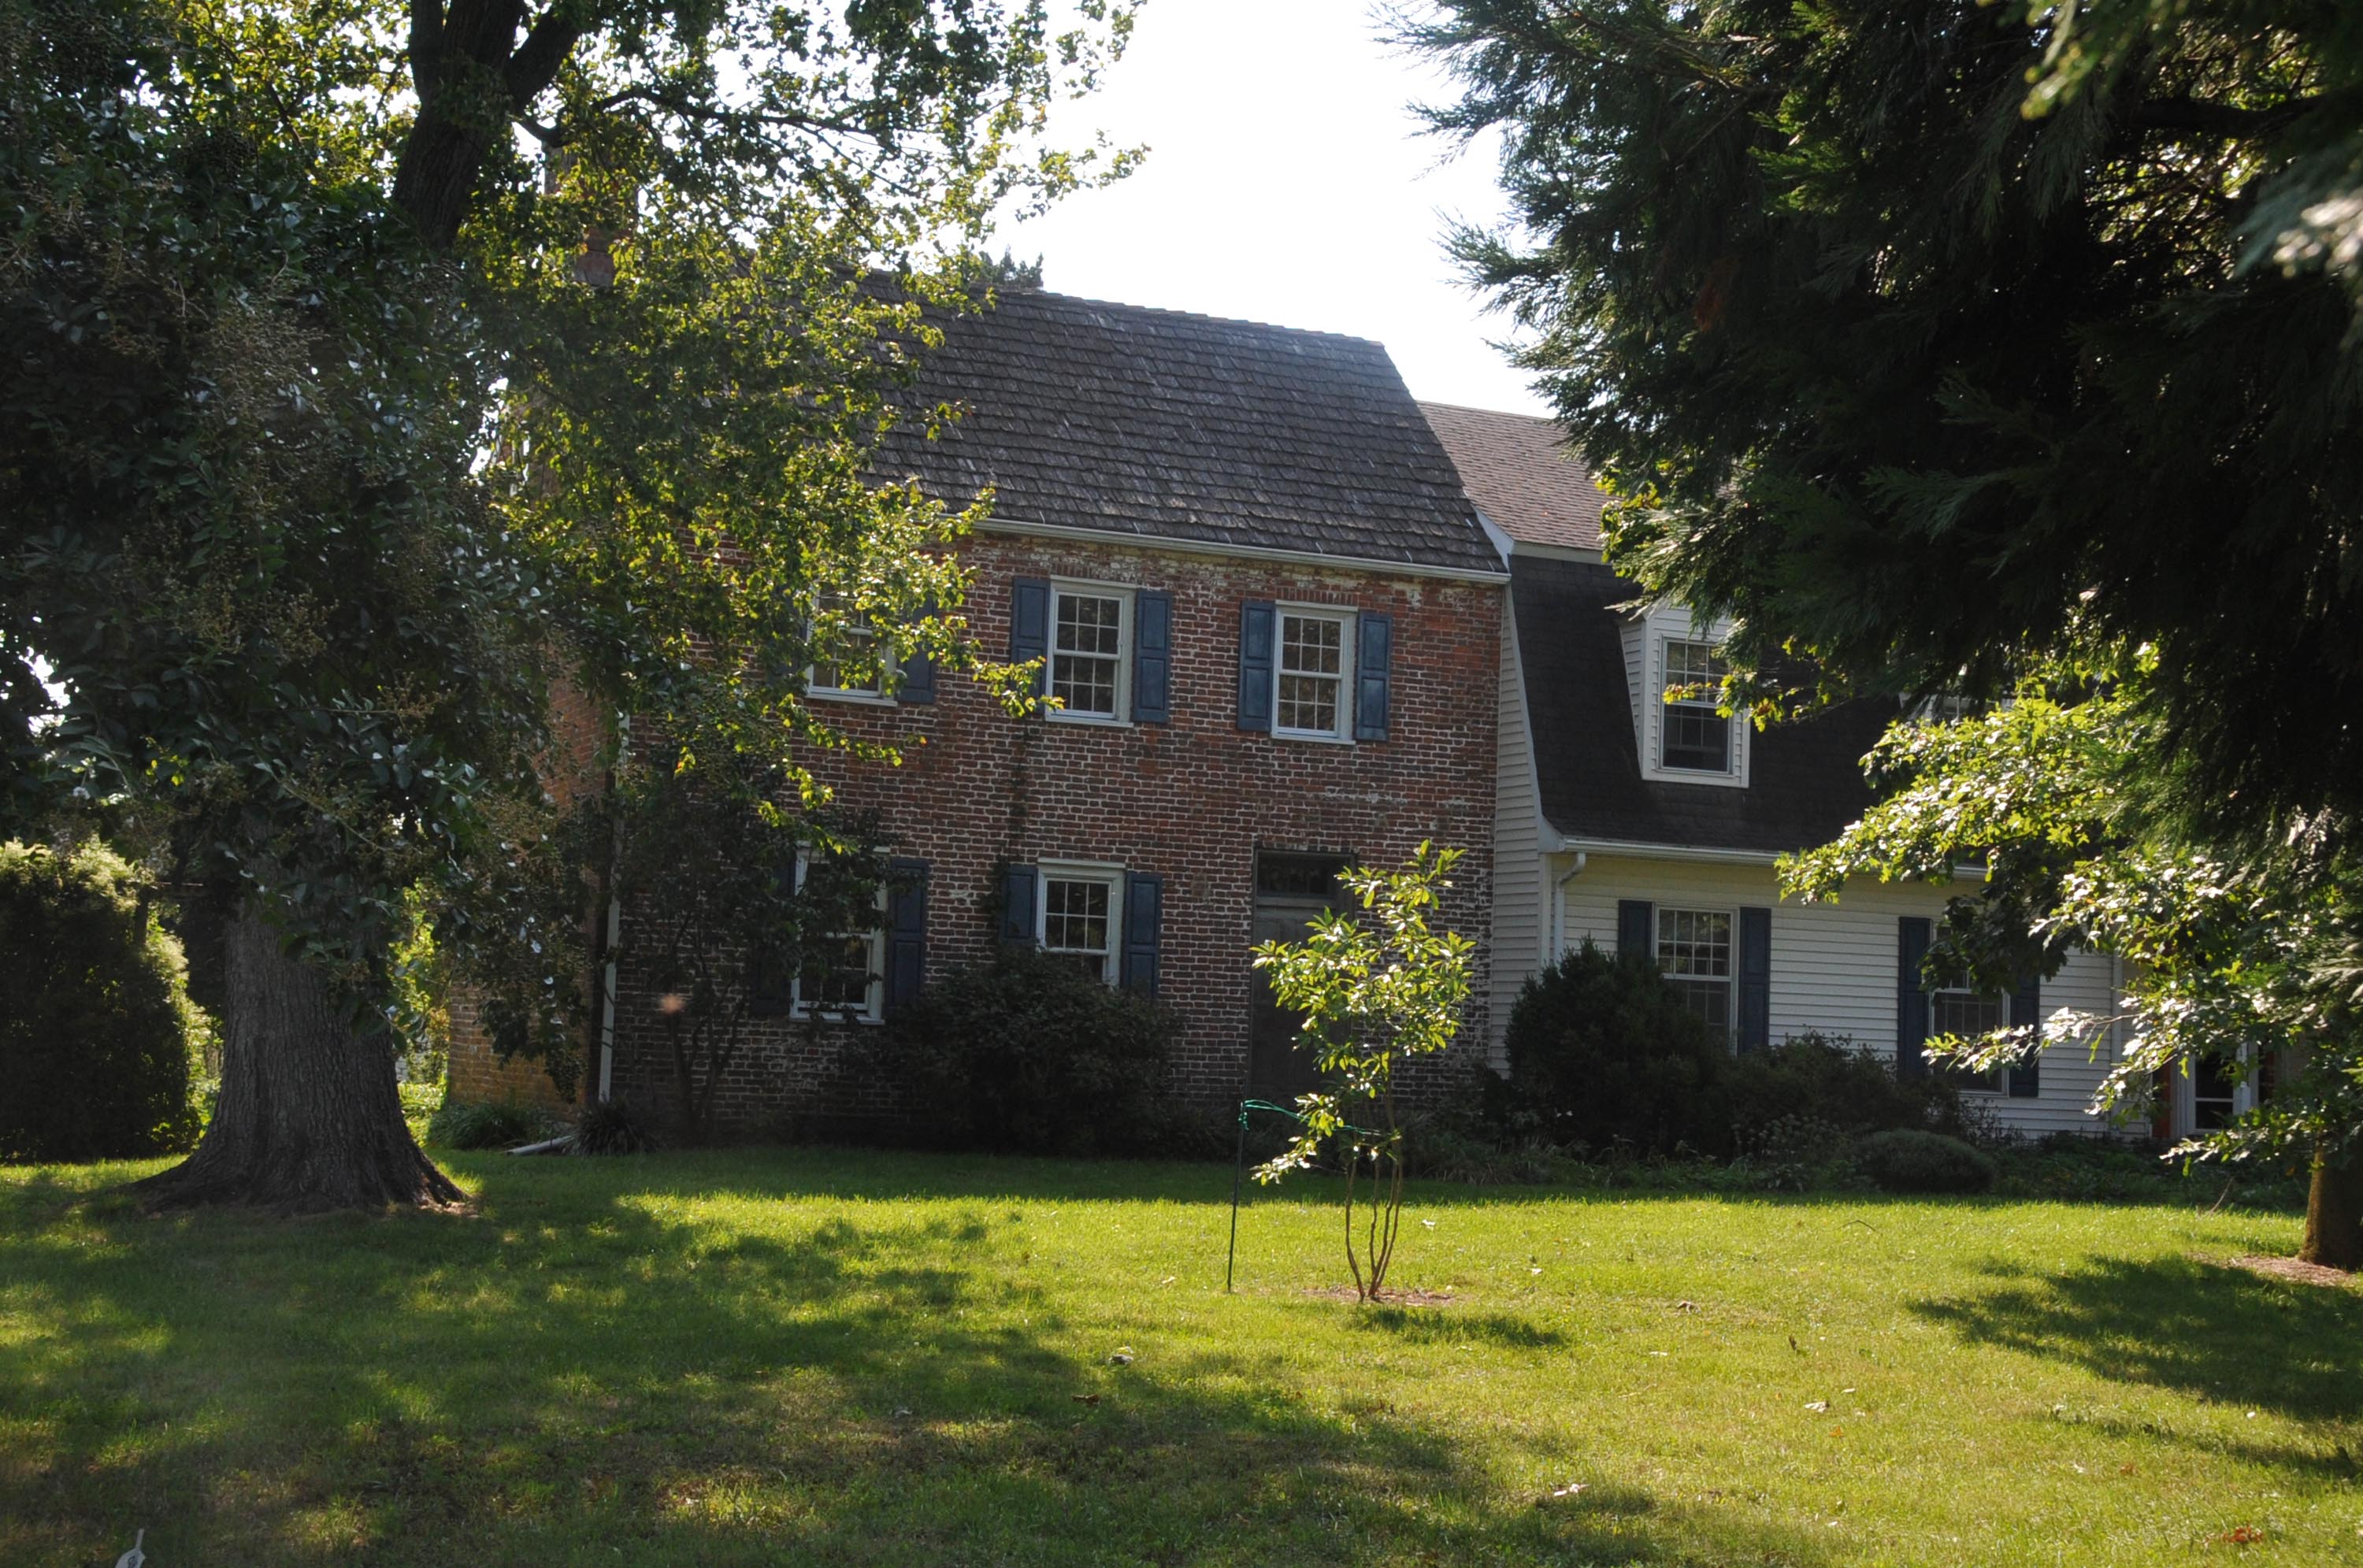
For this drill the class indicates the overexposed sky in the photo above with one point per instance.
(1286, 182)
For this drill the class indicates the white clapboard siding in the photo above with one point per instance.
(1833, 965)
(1519, 927)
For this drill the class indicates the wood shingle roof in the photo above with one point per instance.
(1161, 424)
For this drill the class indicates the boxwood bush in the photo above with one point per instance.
(1608, 1056)
(1905, 1160)
(1025, 1052)
(98, 1038)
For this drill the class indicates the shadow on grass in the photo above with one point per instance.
(2204, 1329)
(591, 1370)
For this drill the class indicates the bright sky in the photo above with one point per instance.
(1287, 181)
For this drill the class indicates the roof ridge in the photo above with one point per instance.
(1006, 294)
(1495, 413)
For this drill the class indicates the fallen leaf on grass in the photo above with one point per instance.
(2243, 1535)
(1087, 1399)
(1569, 1490)
(2126, 1469)
(1819, 1405)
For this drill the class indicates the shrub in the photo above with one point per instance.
(1607, 1054)
(1907, 1160)
(98, 1034)
(614, 1127)
(487, 1124)
(1831, 1080)
(1025, 1052)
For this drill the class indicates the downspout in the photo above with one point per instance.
(1559, 906)
(611, 931)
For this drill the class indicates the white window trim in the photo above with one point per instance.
(1730, 982)
(1350, 622)
(1121, 592)
(1658, 628)
(874, 998)
(1113, 877)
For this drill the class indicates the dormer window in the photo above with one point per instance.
(1697, 739)
(1675, 666)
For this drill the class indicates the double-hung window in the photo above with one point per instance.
(859, 670)
(1311, 689)
(1956, 1010)
(1090, 647)
(1694, 955)
(843, 975)
(1694, 738)
(1079, 918)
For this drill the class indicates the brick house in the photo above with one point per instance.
(1275, 620)
(1651, 827)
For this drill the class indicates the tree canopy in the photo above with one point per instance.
(384, 369)
(1921, 337)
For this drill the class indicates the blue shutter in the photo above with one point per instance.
(1144, 910)
(1755, 980)
(2026, 1010)
(1255, 664)
(1373, 662)
(906, 933)
(1637, 935)
(918, 682)
(1017, 906)
(1152, 656)
(1913, 934)
(1029, 625)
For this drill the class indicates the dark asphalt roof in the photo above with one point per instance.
(1158, 424)
(1805, 779)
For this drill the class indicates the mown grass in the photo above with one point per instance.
(820, 1356)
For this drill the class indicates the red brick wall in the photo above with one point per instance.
(1193, 799)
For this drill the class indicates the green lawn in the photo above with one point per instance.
(821, 1357)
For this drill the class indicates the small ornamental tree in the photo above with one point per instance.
(1374, 991)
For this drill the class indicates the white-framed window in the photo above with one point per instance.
(1080, 913)
(1091, 651)
(1691, 737)
(1313, 666)
(1671, 654)
(843, 975)
(1956, 1010)
(858, 673)
(1694, 955)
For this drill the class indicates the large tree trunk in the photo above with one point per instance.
(309, 1117)
(2334, 1212)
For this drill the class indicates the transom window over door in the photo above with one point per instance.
(1079, 921)
(1694, 955)
(1309, 698)
(1087, 647)
(1695, 738)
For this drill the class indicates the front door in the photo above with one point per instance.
(1290, 889)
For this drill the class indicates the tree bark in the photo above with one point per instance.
(309, 1118)
(2334, 1212)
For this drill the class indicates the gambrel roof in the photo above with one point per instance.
(1160, 425)
(1805, 779)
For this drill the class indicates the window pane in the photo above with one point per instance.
(1698, 739)
(1086, 649)
(836, 976)
(859, 670)
(1075, 917)
(1312, 667)
(1694, 943)
(1711, 1000)
(1695, 736)
(2214, 1089)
